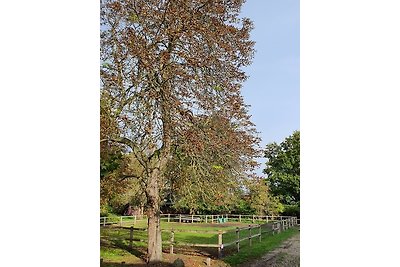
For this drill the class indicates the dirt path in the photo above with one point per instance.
(287, 255)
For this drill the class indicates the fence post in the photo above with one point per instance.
(267, 218)
(240, 218)
(134, 219)
(131, 238)
(180, 218)
(260, 232)
(104, 221)
(171, 247)
(212, 218)
(206, 218)
(220, 245)
(253, 218)
(238, 238)
(168, 216)
(250, 235)
(192, 218)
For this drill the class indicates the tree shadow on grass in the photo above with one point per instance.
(120, 264)
(139, 253)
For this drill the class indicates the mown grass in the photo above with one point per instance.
(115, 240)
(120, 236)
(258, 249)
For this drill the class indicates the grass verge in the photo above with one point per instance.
(259, 249)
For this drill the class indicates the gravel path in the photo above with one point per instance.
(287, 255)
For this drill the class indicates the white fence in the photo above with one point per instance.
(188, 218)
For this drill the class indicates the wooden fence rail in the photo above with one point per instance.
(241, 234)
(254, 231)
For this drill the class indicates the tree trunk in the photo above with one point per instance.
(154, 248)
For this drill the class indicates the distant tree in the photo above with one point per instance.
(283, 169)
(162, 63)
(261, 201)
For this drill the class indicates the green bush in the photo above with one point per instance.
(105, 210)
(291, 210)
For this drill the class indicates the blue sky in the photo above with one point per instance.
(273, 88)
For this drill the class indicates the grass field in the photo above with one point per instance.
(258, 249)
(114, 241)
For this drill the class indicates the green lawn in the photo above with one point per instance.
(115, 240)
(258, 249)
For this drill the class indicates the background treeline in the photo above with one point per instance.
(187, 191)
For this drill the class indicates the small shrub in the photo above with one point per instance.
(291, 210)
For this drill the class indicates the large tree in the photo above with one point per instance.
(283, 169)
(162, 63)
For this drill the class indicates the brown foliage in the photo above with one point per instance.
(165, 63)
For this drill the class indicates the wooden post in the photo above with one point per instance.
(260, 232)
(240, 218)
(208, 262)
(131, 237)
(212, 218)
(253, 218)
(168, 216)
(104, 221)
(171, 247)
(180, 218)
(134, 219)
(238, 238)
(250, 235)
(267, 218)
(192, 218)
(220, 245)
(206, 218)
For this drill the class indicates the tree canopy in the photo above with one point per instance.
(283, 169)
